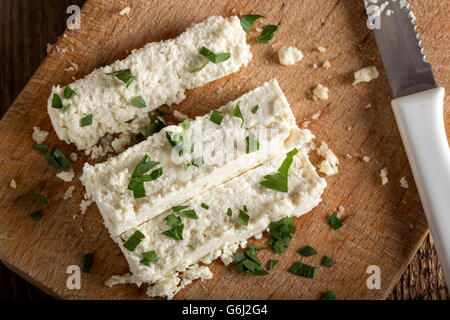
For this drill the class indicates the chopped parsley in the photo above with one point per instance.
(271, 264)
(204, 206)
(243, 217)
(327, 261)
(155, 125)
(66, 107)
(68, 92)
(229, 212)
(255, 109)
(134, 240)
(237, 112)
(199, 68)
(57, 159)
(281, 234)
(40, 197)
(179, 208)
(329, 295)
(161, 112)
(279, 180)
(190, 214)
(149, 256)
(307, 251)
(196, 163)
(36, 216)
(267, 34)
(211, 56)
(248, 261)
(123, 75)
(216, 117)
(138, 102)
(139, 176)
(176, 232)
(41, 148)
(252, 143)
(334, 221)
(248, 20)
(56, 101)
(86, 120)
(179, 141)
(304, 270)
(88, 260)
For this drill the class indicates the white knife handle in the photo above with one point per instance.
(421, 123)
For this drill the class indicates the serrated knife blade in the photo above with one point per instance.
(393, 25)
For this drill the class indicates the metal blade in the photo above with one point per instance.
(393, 25)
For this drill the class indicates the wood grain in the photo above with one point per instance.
(385, 230)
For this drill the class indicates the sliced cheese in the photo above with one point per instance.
(223, 149)
(163, 73)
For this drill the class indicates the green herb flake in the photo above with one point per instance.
(86, 120)
(41, 148)
(281, 234)
(175, 233)
(179, 208)
(214, 58)
(216, 117)
(204, 206)
(199, 68)
(243, 218)
(271, 264)
(68, 92)
(173, 220)
(304, 270)
(248, 20)
(66, 107)
(134, 240)
(56, 101)
(88, 260)
(40, 197)
(229, 212)
(334, 221)
(139, 176)
(248, 261)
(148, 257)
(329, 295)
(36, 216)
(307, 251)
(57, 159)
(252, 143)
(123, 75)
(237, 113)
(267, 34)
(255, 109)
(138, 102)
(190, 214)
(155, 125)
(327, 261)
(279, 180)
(161, 112)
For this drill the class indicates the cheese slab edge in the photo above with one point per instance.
(273, 124)
(163, 73)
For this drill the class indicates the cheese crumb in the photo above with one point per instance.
(365, 75)
(383, 174)
(320, 92)
(404, 183)
(84, 205)
(326, 64)
(179, 116)
(68, 193)
(66, 175)
(316, 116)
(366, 158)
(39, 135)
(321, 49)
(49, 47)
(73, 156)
(368, 106)
(125, 11)
(13, 184)
(289, 55)
(388, 12)
(119, 144)
(330, 162)
(340, 212)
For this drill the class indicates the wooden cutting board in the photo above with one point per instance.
(387, 225)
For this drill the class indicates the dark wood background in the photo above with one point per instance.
(26, 26)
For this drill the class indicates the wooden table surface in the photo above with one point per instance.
(26, 27)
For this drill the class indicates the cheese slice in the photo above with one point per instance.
(214, 230)
(222, 147)
(163, 73)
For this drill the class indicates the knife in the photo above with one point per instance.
(418, 107)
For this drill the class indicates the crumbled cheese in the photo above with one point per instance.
(326, 64)
(349, 156)
(125, 11)
(119, 144)
(321, 49)
(340, 212)
(73, 67)
(365, 75)
(368, 106)
(13, 184)
(73, 156)
(258, 29)
(383, 174)
(315, 65)
(127, 278)
(68, 193)
(179, 116)
(404, 183)
(289, 55)
(66, 175)
(316, 116)
(366, 158)
(388, 12)
(320, 92)
(39, 135)
(330, 162)
(84, 205)
(228, 252)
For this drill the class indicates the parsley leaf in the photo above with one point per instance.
(138, 102)
(40, 197)
(237, 112)
(243, 217)
(134, 240)
(139, 176)
(155, 125)
(329, 295)
(267, 34)
(252, 143)
(123, 75)
(149, 256)
(216, 117)
(204, 206)
(255, 109)
(56, 101)
(161, 112)
(271, 264)
(175, 233)
(304, 270)
(327, 261)
(173, 220)
(307, 251)
(281, 234)
(36, 216)
(179, 208)
(57, 159)
(41, 148)
(199, 68)
(279, 180)
(248, 20)
(66, 107)
(178, 141)
(68, 92)
(88, 260)
(190, 214)
(248, 261)
(229, 212)
(86, 120)
(214, 58)
(334, 221)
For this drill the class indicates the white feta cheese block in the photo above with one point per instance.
(163, 74)
(223, 149)
(214, 230)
